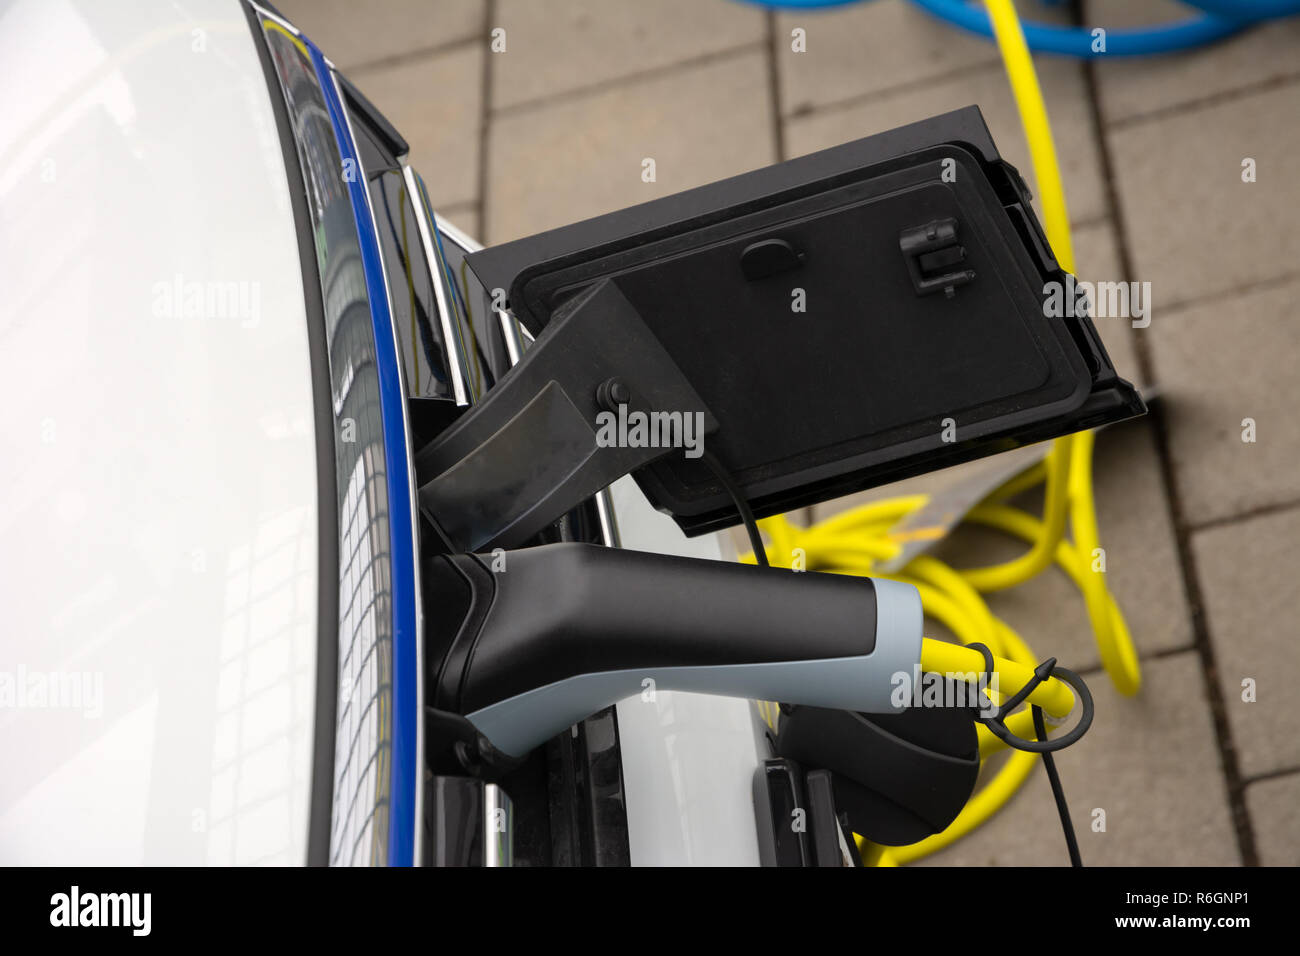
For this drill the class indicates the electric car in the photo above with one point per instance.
(230, 315)
(328, 539)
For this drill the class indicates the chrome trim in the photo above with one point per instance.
(418, 849)
(510, 335)
(498, 827)
(456, 364)
(271, 15)
(608, 520)
(456, 234)
(512, 330)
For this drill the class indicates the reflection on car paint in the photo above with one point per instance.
(363, 740)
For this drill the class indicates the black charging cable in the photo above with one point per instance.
(997, 724)
(614, 392)
(1058, 792)
(746, 514)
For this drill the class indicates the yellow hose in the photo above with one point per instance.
(942, 657)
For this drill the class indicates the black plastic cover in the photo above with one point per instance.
(851, 317)
(899, 777)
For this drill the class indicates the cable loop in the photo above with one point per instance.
(997, 723)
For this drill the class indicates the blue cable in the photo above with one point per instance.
(1248, 9)
(1079, 42)
(1218, 19)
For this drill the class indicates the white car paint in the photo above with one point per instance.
(688, 759)
(159, 515)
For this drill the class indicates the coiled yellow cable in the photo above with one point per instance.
(855, 541)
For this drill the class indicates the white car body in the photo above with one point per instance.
(158, 657)
(160, 482)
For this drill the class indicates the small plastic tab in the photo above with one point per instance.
(769, 257)
(932, 254)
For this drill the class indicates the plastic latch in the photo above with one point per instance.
(933, 256)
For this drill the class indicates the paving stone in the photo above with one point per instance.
(1218, 364)
(352, 34)
(1142, 567)
(1149, 762)
(1247, 572)
(434, 101)
(865, 48)
(1137, 86)
(1194, 227)
(582, 156)
(559, 46)
(1067, 102)
(1272, 806)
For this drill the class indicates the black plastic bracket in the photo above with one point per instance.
(778, 796)
(537, 445)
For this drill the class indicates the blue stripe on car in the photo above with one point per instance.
(405, 763)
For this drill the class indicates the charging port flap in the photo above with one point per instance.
(846, 319)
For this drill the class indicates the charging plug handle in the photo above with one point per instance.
(549, 635)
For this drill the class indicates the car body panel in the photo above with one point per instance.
(160, 519)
